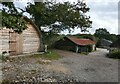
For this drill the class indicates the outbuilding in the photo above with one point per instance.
(76, 44)
(104, 43)
(28, 41)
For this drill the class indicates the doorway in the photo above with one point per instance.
(15, 43)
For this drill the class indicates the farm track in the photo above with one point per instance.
(72, 67)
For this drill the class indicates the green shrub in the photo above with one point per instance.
(3, 58)
(114, 54)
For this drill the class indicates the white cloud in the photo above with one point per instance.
(102, 1)
(104, 13)
(22, 4)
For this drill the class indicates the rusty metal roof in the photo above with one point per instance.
(82, 42)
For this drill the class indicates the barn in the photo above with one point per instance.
(75, 44)
(28, 41)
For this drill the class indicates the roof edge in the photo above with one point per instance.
(33, 24)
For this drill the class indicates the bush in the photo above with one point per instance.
(114, 54)
(3, 58)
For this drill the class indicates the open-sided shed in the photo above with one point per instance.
(75, 44)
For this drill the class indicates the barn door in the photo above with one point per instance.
(12, 43)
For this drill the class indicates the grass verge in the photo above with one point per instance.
(51, 55)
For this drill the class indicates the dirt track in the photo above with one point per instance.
(95, 67)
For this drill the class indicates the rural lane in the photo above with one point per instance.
(75, 67)
(94, 67)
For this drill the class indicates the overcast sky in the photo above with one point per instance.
(103, 13)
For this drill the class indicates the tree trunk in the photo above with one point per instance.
(41, 37)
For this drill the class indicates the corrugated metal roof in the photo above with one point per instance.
(79, 41)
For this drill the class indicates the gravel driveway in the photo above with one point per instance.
(95, 67)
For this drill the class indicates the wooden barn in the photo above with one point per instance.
(28, 41)
(75, 44)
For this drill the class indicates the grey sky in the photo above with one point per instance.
(103, 13)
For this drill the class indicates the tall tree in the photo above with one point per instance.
(60, 16)
(11, 18)
(103, 33)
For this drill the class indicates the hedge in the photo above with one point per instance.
(114, 54)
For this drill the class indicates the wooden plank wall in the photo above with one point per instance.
(4, 41)
(19, 47)
(31, 40)
(27, 42)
